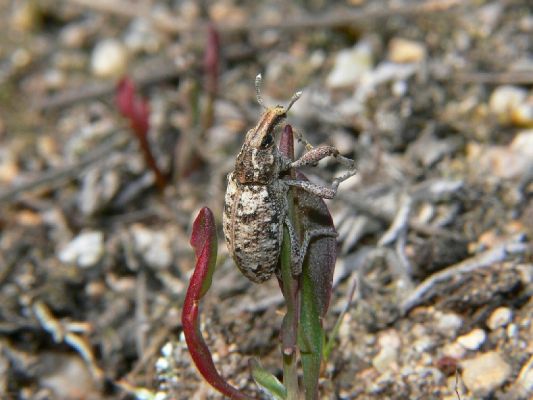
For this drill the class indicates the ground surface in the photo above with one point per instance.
(433, 99)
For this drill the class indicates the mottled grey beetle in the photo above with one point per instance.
(255, 208)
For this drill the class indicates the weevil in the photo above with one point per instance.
(256, 205)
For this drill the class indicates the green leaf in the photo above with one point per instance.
(310, 336)
(267, 381)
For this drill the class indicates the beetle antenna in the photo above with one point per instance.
(294, 98)
(258, 80)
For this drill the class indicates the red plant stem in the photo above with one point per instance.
(204, 241)
(212, 60)
(137, 110)
(160, 178)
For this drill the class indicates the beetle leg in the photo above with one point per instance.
(298, 251)
(312, 157)
(318, 190)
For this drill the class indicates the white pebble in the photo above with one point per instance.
(141, 36)
(85, 250)
(522, 115)
(449, 324)
(109, 59)
(406, 51)
(350, 66)
(454, 350)
(485, 373)
(499, 317)
(162, 364)
(525, 377)
(154, 246)
(167, 349)
(472, 340)
(504, 99)
(512, 330)
(523, 142)
(386, 360)
(73, 35)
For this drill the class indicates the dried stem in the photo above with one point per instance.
(332, 19)
(486, 259)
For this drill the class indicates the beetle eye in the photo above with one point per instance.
(268, 140)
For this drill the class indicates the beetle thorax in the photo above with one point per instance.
(257, 166)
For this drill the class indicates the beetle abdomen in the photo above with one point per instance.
(253, 227)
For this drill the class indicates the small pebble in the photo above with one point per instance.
(9, 171)
(448, 324)
(472, 340)
(504, 99)
(389, 343)
(109, 59)
(154, 246)
(141, 37)
(522, 115)
(506, 163)
(423, 344)
(512, 330)
(74, 35)
(523, 142)
(525, 377)
(406, 51)
(454, 350)
(485, 373)
(25, 15)
(389, 339)
(499, 318)
(85, 250)
(350, 66)
(21, 58)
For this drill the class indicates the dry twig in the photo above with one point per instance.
(332, 19)
(500, 253)
(56, 176)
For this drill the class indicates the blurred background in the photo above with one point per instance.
(120, 119)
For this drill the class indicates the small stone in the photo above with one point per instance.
(9, 171)
(21, 58)
(350, 66)
(454, 350)
(448, 324)
(141, 37)
(508, 164)
(74, 35)
(389, 343)
(423, 344)
(67, 376)
(525, 377)
(29, 218)
(522, 115)
(390, 339)
(109, 58)
(523, 142)
(499, 318)
(405, 51)
(485, 373)
(512, 330)
(472, 340)
(386, 359)
(154, 246)
(54, 79)
(85, 250)
(504, 99)
(25, 16)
